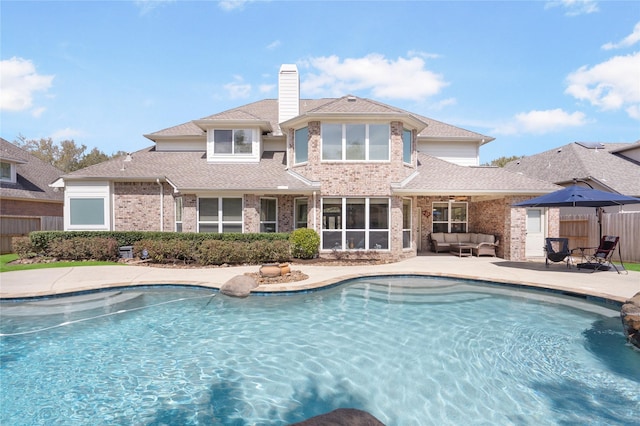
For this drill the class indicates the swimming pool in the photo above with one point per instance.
(409, 350)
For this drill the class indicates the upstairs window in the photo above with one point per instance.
(5, 172)
(301, 145)
(234, 142)
(355, 142)
(406, 146)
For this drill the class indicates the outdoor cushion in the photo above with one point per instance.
(438, 236)
(450, 238)
(473, 238)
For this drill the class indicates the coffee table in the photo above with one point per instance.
(461, 250)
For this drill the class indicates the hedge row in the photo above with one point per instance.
(171, 247)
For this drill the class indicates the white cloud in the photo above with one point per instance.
(541, 122)
(610, 85)
(147, 6)
(404, 78)
(273, 45)
(574, 7)
(66, 134)
(232, 4)
(18, 83)
(238, 89)
(628, 41)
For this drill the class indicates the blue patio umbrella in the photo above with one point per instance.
(579, 196)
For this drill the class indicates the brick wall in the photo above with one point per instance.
(137, 206)
(30, 208)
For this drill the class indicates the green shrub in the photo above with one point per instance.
(80, 248)
(305, 243)
(23, 247)
(217, 252)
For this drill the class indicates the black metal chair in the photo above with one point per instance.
(557, 250)
(600, 259)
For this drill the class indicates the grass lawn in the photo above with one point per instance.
(6, 258)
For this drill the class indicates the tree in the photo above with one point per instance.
(67, 156)
(500, 162)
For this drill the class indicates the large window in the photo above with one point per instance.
(301, 145)
(235, 142)
(355, 142)
(220, 215)
(355, 224)
(268, 215)
(450, 216)
(406, 223)
(86, 211)
(301, 207)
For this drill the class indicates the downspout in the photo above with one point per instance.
(161, 205)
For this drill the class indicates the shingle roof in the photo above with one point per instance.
(33, 176)
(191, 171)
(583, 161)
(437, 176)
(267, 109)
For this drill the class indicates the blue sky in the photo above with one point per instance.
(533, 74)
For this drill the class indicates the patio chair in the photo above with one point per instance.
(601, 257)
(557, 250)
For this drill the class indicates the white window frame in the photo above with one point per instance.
(407, 145)
(346, 236)
(12, 172)
(221, 222)
(407, 227)
(263, 222)
(453, 224)
(233, 156)
(367, 143)
(298, 142)
(178, 213)
(297, 222)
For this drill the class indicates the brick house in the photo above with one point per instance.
(27, 203)
(367, 176)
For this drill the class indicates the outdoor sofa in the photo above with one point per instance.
(481, 244)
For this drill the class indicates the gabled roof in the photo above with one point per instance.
(436, 176)
(267, 110)
(582, 160)
(33, 176)
(189, 171)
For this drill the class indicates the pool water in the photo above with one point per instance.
(409, 350)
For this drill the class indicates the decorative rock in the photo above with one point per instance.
(630, 316)
(239, 286)
(342, 417)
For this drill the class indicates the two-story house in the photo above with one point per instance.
(365, 175)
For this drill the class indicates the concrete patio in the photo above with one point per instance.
(53, 281)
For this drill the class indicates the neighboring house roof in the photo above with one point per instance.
(436, 176)
(267, 109)
(586, 161)
(33, 176)
(191, 171)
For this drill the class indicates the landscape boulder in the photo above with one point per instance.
(630, 316)
(239, 286)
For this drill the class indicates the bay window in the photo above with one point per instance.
(449, 216)
(301, 145)
(220, 215)
(355, 223)
(355, 142)
(406, 146)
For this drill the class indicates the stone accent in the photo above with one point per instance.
(239, 286)
(630, 316)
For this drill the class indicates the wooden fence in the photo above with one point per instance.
(583, 231)
(16, 226)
